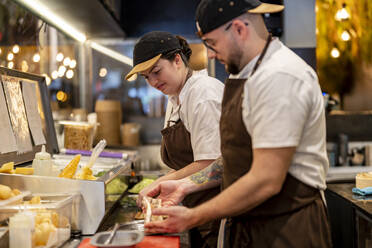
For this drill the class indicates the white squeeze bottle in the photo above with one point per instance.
(42, 163)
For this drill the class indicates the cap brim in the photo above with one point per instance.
(266, 8)
(143, 66)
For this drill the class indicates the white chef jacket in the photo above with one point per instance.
(283, 107)
(200, 102)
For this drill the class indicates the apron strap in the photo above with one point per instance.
(221, 234)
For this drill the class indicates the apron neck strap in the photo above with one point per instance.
(259, 61)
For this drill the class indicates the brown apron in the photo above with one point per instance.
(296, 217)
(176, 152)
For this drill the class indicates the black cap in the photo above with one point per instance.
(212, 14)
(149, 49)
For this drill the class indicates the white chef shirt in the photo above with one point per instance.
(200, 101)
(283, 107)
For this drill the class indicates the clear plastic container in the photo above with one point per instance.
(78, 136)
(60, 203)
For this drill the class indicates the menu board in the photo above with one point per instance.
(17, 113)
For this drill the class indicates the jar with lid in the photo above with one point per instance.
(42, 163)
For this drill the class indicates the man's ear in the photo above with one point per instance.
(241, 28)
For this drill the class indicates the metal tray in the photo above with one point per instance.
(121, 239)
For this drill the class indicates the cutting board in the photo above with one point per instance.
(147, 242)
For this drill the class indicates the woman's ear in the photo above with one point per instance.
(178, 59)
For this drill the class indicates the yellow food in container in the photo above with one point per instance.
(78, 136)
(363, 180)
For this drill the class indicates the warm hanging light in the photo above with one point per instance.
(69, 74)
(345, 36)
(66, 61)
(73, 64)
(342, 14)
(59, 57)
(10, 65)
(61, 96)
(335, 53)
(36, 57)
(102, 72)
(61, 71)
(10, 56)
(15, 49)
(54, 75)
(1, 51)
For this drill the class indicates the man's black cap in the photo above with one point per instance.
(212, 14)
(150, 48)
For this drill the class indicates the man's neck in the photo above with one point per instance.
(253, 51)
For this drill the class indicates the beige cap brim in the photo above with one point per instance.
(266, 8)
(143, 66)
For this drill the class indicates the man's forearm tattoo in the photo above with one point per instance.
(211, 173)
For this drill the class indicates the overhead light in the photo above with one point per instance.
(73, 64)
(40, 9)
(342, 14)
(10, 65)
(102, 72)
(10, 56)
(59, 57)
(335, 53)
(111, 53)
(345, 36)
(54, 75)
(69, 74)
(15, 49)
(1, 51)
(36, 57)
(61, 71)
(66, 61)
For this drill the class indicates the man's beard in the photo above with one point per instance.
(233, 61)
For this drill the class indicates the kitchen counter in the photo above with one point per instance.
(350, 216)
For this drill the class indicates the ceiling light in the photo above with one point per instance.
(10, 56)
(345, 36)
(111, 53)
(61, 71)
(10, 65)
(342, 14)
(69, 74)
(102, 72)
(335, 53)
(47, 79)
(15, 49)
(40, 9)
(54, 75)
(59, 57)
(36, 57)
(66, 61)
(73, 63)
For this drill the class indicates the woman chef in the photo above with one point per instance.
(190, 139)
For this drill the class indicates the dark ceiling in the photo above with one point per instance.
(141, 16)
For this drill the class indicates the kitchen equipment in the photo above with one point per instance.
(112, 234)
(121, 239)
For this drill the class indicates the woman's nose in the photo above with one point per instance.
(152, 81)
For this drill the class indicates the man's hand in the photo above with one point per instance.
(170, 192)
(178, 220)
(144, 192)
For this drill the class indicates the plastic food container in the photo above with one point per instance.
(61, 204)
(121, 239)
(14, 200)
(78, 135)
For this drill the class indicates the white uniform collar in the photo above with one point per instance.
(187, 86)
